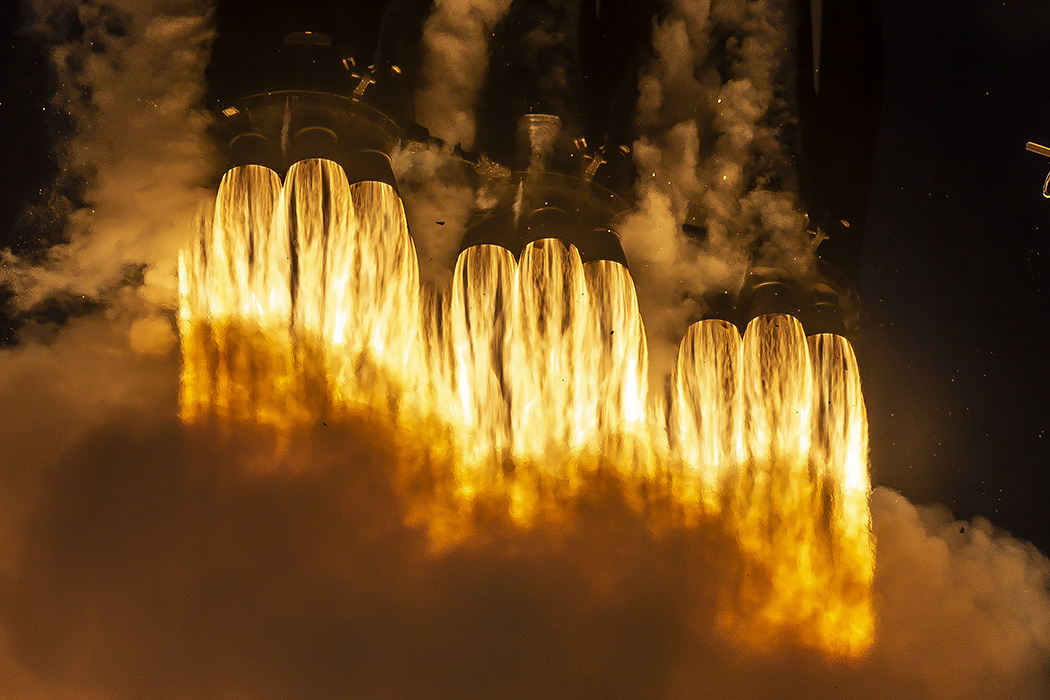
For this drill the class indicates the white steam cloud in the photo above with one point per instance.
(454, 62)
(130, 75)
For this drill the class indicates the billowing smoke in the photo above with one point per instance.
(967, 604)
(130, 77)
(440, 196)
(714, 117)
(453, 66)
(143, 559)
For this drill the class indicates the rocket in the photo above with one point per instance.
(545, 168)
(318, 104)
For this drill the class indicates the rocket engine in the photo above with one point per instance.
(531, 371)
(318, 106)
(546, 180)
(551, 193)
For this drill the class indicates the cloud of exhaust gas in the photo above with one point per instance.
(453, 66)
(130, 75)
(713, 106)
(440, 196)
(145, 559)
(140, 558)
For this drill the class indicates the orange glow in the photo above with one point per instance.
(794, 498)
(528, 376)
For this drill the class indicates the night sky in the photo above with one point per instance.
(956, 258)
(957, 263)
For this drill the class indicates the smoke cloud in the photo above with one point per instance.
(453, 66)
(967, 604)
(144, 559)
(440, 195)
(714, 116)
(130, 75)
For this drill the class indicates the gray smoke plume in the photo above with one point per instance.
(712, 112)
(130, 75)
(453, 66)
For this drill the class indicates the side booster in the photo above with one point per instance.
(316, 108)
(550, 192)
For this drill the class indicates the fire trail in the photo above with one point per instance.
(302, 301)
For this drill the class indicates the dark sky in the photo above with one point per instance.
(956, 257)
(957, 262)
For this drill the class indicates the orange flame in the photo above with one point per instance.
(304, 300)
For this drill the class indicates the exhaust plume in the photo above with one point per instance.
(146, 556)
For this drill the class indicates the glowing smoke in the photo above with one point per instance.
(140, 560)
(455, 61)
(714, 115)
(439, 199)
(130, 75)
(439, 195)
